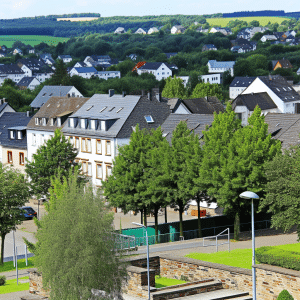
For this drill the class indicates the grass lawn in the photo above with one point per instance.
(290, 247)
(11, 286)
(161, 282)
(9, 265)
(241, 258)
(263, 21)
(32, 40)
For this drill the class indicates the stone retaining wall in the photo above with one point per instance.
(271, 280)
(193, 270)
(36, 284)
(141, 262)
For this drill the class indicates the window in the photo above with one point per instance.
(83, 123)
(72, 122)
(42, 139)
(20, 135)
(86, 168)
(93, 124)
(107, 147)
(9, 157)
(76, 143)
(108, 170)
(44, 121)
(12, 134)
(33, 139)
(86, 145)
(36, 121)
(98, 147)
(99, 170)
(21, 158)
(149, 119)
(58, 121)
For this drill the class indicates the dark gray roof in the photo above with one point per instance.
(48, 92)
(263, 100)
(85, 69)
(65, 56)
(280, 87)
(11, 69)
(196, 122)
(284, 127)
(32, 63)
(203, 105)
(2, 106)
(25, 81)
(123, 112)
(155, 66)
(242, 81)
(15, 121)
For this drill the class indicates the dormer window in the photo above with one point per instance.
(93, 124)
(36, 121)
(20, 135)
(52, 121)
(44, 121)
(149, 119)
(12, 134)
(58, 121)
(103, 125)
(72, 123)
(83, 123)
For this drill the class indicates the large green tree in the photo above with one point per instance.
(233, 160)
(76, 242)
(56, 154)
(179, 178)
(174, 88)
(207, 90)
(14, 193)
(282, 190)
(61, 75)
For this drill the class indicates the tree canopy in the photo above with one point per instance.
(57, 154)
(174, 88)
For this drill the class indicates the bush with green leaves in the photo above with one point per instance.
(2, 280)
(278, 257)
(285, 295)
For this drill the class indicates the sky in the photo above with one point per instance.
(30, 8)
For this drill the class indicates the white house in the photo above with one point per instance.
(216, 78)
(268, 37)
(28, 83)
(85, 72)
(51, 116)
(177, 29)
(152, 30)
(238, 85)
(106, 122)
(140, 31)
(158, 69)
(120, 30)
(12, 71)
(49, 91)
(108, 74)
(17, 51)
(220, 66)
(271, 93)
(65, 58)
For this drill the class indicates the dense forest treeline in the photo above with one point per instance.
(262, 13)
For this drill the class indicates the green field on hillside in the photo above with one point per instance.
(32, 40)
(263, 21)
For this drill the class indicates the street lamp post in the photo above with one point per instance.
(148, 271)
(252, 196)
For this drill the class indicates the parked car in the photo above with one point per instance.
(28, 212)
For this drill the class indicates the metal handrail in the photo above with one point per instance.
(216, 238)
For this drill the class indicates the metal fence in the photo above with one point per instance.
(215, 240)
(124, 242)
(193, 234)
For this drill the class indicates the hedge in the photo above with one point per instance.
(285, 295)
(278, 257)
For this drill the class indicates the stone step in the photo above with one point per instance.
(221, 294)
(183, 291)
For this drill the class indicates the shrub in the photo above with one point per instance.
(285, 295)
(2, 280)
(279, 257)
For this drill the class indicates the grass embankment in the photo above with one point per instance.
(31, 40)
(241, 258)
(161, 282)
(263, 21)
(11, 286)
(9, 265)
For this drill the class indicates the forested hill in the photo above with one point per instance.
(48, 25)
(262, 13)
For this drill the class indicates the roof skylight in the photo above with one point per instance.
(112, 108)
(105, 107)
(120, 109)
(89, 108)
(149, 119)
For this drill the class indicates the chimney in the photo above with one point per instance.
(1, 101)
(111, 93)
(143, 92)
(123, 94)
(4, 100)
(149, 96)
(28, 113)
(270, 77)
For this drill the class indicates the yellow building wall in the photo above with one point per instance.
(15, 158)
